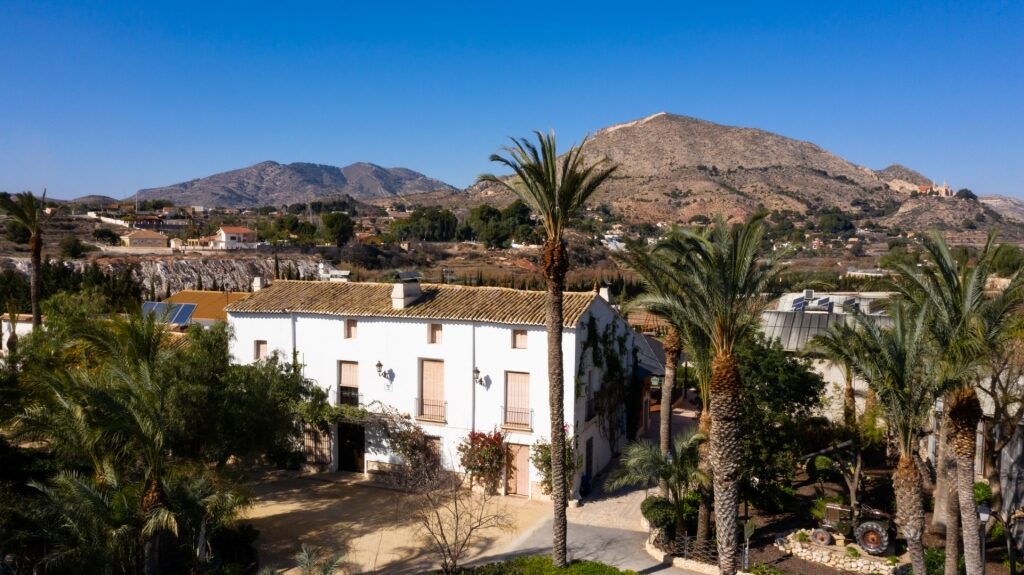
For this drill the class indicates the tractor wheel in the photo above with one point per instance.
(821, 537)
(872, 537)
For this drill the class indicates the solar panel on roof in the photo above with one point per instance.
(159, 309)
(176, 313)
(183, 313)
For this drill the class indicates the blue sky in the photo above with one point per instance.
(110, 97)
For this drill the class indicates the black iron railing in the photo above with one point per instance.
(517, 417)
(349, 396)
(431, 408)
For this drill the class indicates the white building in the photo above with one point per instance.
(454, 358)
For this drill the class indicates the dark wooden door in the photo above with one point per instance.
(351, 447)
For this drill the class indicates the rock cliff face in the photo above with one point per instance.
(163, 274)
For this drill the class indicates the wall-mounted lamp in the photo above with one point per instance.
(380, 370)
(476, 376)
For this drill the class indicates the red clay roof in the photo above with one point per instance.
(236, 230)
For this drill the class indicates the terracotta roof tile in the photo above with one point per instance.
(438, 301)
(209, 304)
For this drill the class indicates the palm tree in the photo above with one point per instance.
(643, 464)
(964, 326)
(835, 344)
(896, 362)
(27, 210)
(663, 275)
(664, 298)
(554, 189)
(729, 277)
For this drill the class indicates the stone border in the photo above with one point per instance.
(687, 564)
(834, 556)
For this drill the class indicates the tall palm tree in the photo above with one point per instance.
(27, 210)
(729, 276)
(663, 297)
(663, 275)
(964, 325)
(896, 362)
(554, 189)
(643, 464)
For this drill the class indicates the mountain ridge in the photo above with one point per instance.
(272, 183)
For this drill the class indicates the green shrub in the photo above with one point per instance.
(982, 493)
(659, 512)
(997, 534)
(541, 565)
(818, 506)
(935, 561)
(772, 498)
(803, 537)
(764, 569)
(852, 552)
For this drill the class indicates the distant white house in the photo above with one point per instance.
(235, 238)
(226, 238)
(454, 358)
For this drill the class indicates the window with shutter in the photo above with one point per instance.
(348, 383)
(350, 328)
(434, 331)
(259, 349)
(519, 339)
(431, 402)
(517, 400)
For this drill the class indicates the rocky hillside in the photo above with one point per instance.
(175, 273)
(1009, 207)
(969, 219)
(274, 184)
(672, 168)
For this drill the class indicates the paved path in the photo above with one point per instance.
(607, 527)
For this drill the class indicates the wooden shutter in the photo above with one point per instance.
(432, 380)
(517, 390)
(519, 339)
(261, 349)
(434, 335)
(348, 374)
(350, 328)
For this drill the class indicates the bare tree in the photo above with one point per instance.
(451, 516)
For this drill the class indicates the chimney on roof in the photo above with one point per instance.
(605, 293)
(258, 283)
(406, 291)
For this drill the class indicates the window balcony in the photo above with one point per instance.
(517, 418)
(431, 410)
(349, 396)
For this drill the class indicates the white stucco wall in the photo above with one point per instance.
(400, 345)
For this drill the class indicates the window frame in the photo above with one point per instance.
(435, 338)
(526, 338)
(256, 349)
(351, 329)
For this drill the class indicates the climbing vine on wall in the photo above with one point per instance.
(610, 353)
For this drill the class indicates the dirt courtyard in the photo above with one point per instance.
(338, 511)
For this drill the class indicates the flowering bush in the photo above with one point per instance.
(540, 456)
(483, 455)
